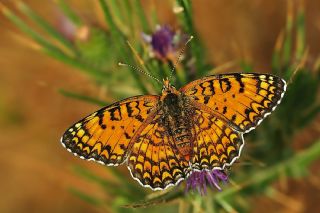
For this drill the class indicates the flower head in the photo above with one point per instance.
(164, 42)
(198, 180)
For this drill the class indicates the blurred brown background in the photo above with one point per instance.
(35, 169)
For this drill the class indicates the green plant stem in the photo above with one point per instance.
(25, 28)
(50, 49)
(115, 32)
(69, 12)
(128, 15)
(82, 97)
(45, 26)
(300, 38)
(88, 198)
(185, 4)
(142, 16)
(197, 49)
(134, 189)
(300, 160)
(119, 38)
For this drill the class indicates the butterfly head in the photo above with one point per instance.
(167, 87)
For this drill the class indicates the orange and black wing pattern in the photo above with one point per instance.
(216, 144)
(241, 100)
(105, 135)
(154, 161)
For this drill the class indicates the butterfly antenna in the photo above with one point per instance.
(179, 57)
(140, 70)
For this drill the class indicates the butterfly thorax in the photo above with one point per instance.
(177, 118)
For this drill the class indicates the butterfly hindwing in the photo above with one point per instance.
(215, 144)
(153, 160)
(243, 100)
(104, 136)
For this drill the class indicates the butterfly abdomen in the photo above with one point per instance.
(183, 140)
(178, 122)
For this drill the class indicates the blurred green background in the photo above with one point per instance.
(59, 63)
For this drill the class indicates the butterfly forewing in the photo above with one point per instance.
(242, 100)
(105, 135)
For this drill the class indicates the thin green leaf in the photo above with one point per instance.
(45, 26)
(88, 198)
(160, 199)
(313, 113)
(276, 56)
(49, 48)
(287, 44)
(227, 206)
(142, 17)
(186, 5)
(119, 14)
(300, 38)
(133, 188)
(25, 28)
(114, 6)
(99, 75)
(129, 16)
(246, 66)
(82, 97)
(197, 49)
(300, 161)
(88, 175)
(69, 13)
(115, 32)
(120, 38)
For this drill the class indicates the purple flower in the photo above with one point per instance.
(164, 42)
(198, 180)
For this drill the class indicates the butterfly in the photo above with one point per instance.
(163, 138)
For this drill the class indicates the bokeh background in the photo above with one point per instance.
(36, 173)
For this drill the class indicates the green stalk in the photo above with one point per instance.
(115, 32)
(88, 198)
(276, 56)
(99, 75)
(88, 175)
(129, 16)
(287, 45)
(69, 12)
(300, 161)
(142, 16)
(300, 38)
(45, 26)
(107, 185)
(26, 29)
(119, 15)
(133, 188)
(196, 47)
(114, 8)
(153, 15)
(119, 38)
(82, 97)
(186, 5)
(49, 48)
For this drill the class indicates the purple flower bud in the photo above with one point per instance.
(162, 41)
(165, 43)
(198, 180)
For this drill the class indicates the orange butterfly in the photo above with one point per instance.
(162, 139)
